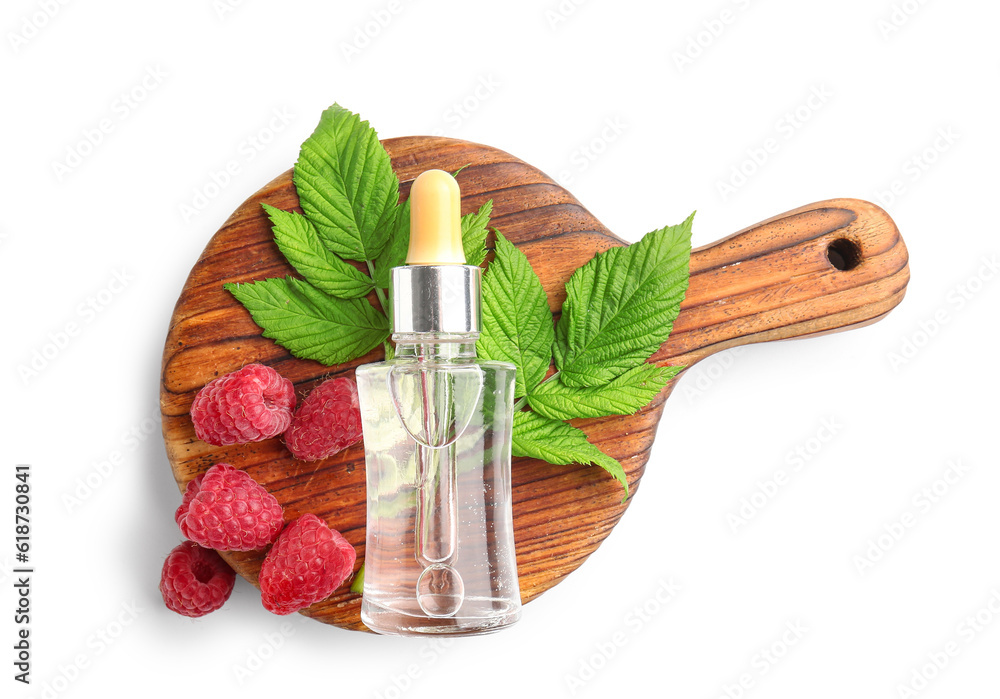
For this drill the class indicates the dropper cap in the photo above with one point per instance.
(435, 220)
(436, 292)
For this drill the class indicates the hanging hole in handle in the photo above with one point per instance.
(844, 254)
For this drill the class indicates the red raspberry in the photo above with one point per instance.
(306, 564)
(247, 405)
(230, 511)
(195, 580)
(180, 516)
(328, 421)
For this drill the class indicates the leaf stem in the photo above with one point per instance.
(554, 375)
(520, 404)
(378, 292)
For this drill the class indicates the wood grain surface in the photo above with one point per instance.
(821, 268)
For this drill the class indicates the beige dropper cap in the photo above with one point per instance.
(435, 220)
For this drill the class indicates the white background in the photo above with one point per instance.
(895, 75)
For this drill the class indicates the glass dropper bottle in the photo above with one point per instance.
(437, 421)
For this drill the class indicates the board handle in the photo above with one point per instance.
(818, 269)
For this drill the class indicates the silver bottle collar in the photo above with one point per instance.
(436, 299)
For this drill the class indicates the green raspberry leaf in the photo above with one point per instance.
(358, 584)
(394, 254)
(557, 442)
(346, 185)
(298, 241)
(309, 323)
(474, 232)
(623, 396)
(517, 322)
(621, 306)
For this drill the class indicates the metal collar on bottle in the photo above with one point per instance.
(436, 299)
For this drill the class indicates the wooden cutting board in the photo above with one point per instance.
(822, 268)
